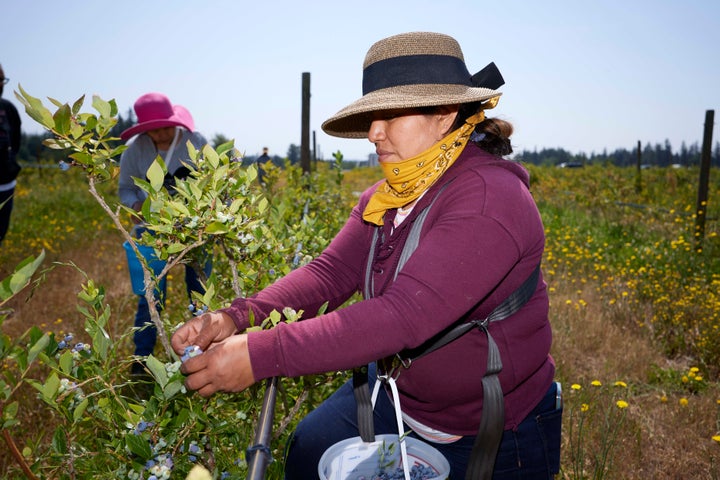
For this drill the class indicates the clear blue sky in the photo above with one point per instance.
(584, 76)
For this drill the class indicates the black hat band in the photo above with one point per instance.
(415, 70)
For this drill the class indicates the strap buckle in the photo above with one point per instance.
(393, 366)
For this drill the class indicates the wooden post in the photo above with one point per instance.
(703, 184)
(305, 129)
(638, 175)
(314, 151)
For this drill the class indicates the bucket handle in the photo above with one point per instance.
(398, 416)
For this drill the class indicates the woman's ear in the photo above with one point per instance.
(446, 116)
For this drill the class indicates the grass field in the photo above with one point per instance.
(635, 307)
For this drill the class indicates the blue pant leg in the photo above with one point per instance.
(334, 420)
(145, 335)
(532, 451)
(6, 200)
(192, 282)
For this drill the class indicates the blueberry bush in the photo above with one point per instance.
(105, 422)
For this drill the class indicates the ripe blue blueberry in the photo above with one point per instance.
(190, 352)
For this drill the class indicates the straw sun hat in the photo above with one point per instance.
(154, 110)
(416, 69)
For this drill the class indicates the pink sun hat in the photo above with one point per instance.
(185, 116)
(154, 110)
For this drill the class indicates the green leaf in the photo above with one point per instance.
(195, 190)
(91, 122)
(211, 156)
(62, 119)
(35, 109)
(174, 248)
(113, 107)
(139, 446)
(50, 388)
(66, 362)
(21, 277)
(82, 158)
(101, 106)
(263, 205)
(157, 368)
(59, 441)
(101, 342)
(38, 347)
(57, 103)
(79, 410)
(172, 388)
(156, 175)
(78, 105)
(9, 412)
(216, 228)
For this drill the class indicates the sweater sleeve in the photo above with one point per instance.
(464, 253)
(333, 277)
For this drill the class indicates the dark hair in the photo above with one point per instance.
(494, 134)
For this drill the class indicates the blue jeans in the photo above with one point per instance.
(530, 452)
(6, 200)
(145, 335)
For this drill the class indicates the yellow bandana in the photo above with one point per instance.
(405, 181)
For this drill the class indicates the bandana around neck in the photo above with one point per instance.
(405, 181)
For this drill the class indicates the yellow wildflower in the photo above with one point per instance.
(620, 383)
(576, 386)
(716, 438)
(584, 407)
(622, 404)
(596, 383)
(683, 402)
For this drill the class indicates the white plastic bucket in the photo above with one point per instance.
(353, 459)
(136, 273)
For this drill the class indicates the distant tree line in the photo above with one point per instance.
(660, 155)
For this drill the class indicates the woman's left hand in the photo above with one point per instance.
(225, 367)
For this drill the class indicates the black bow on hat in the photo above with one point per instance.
(488, 77)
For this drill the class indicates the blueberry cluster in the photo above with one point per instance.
(190, 352)
(417, 472)
(161, 465)
(76, 349)
(142, 426)
(65, 342)
(193, 451)
(197, 310)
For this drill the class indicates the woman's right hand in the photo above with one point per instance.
(204, 331)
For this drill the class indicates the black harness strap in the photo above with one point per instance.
(492, 421)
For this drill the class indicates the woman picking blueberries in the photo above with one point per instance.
(479, 240)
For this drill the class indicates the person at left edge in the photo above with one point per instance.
(9, 147)
(162, 129)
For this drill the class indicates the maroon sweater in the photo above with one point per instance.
(481, 239)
